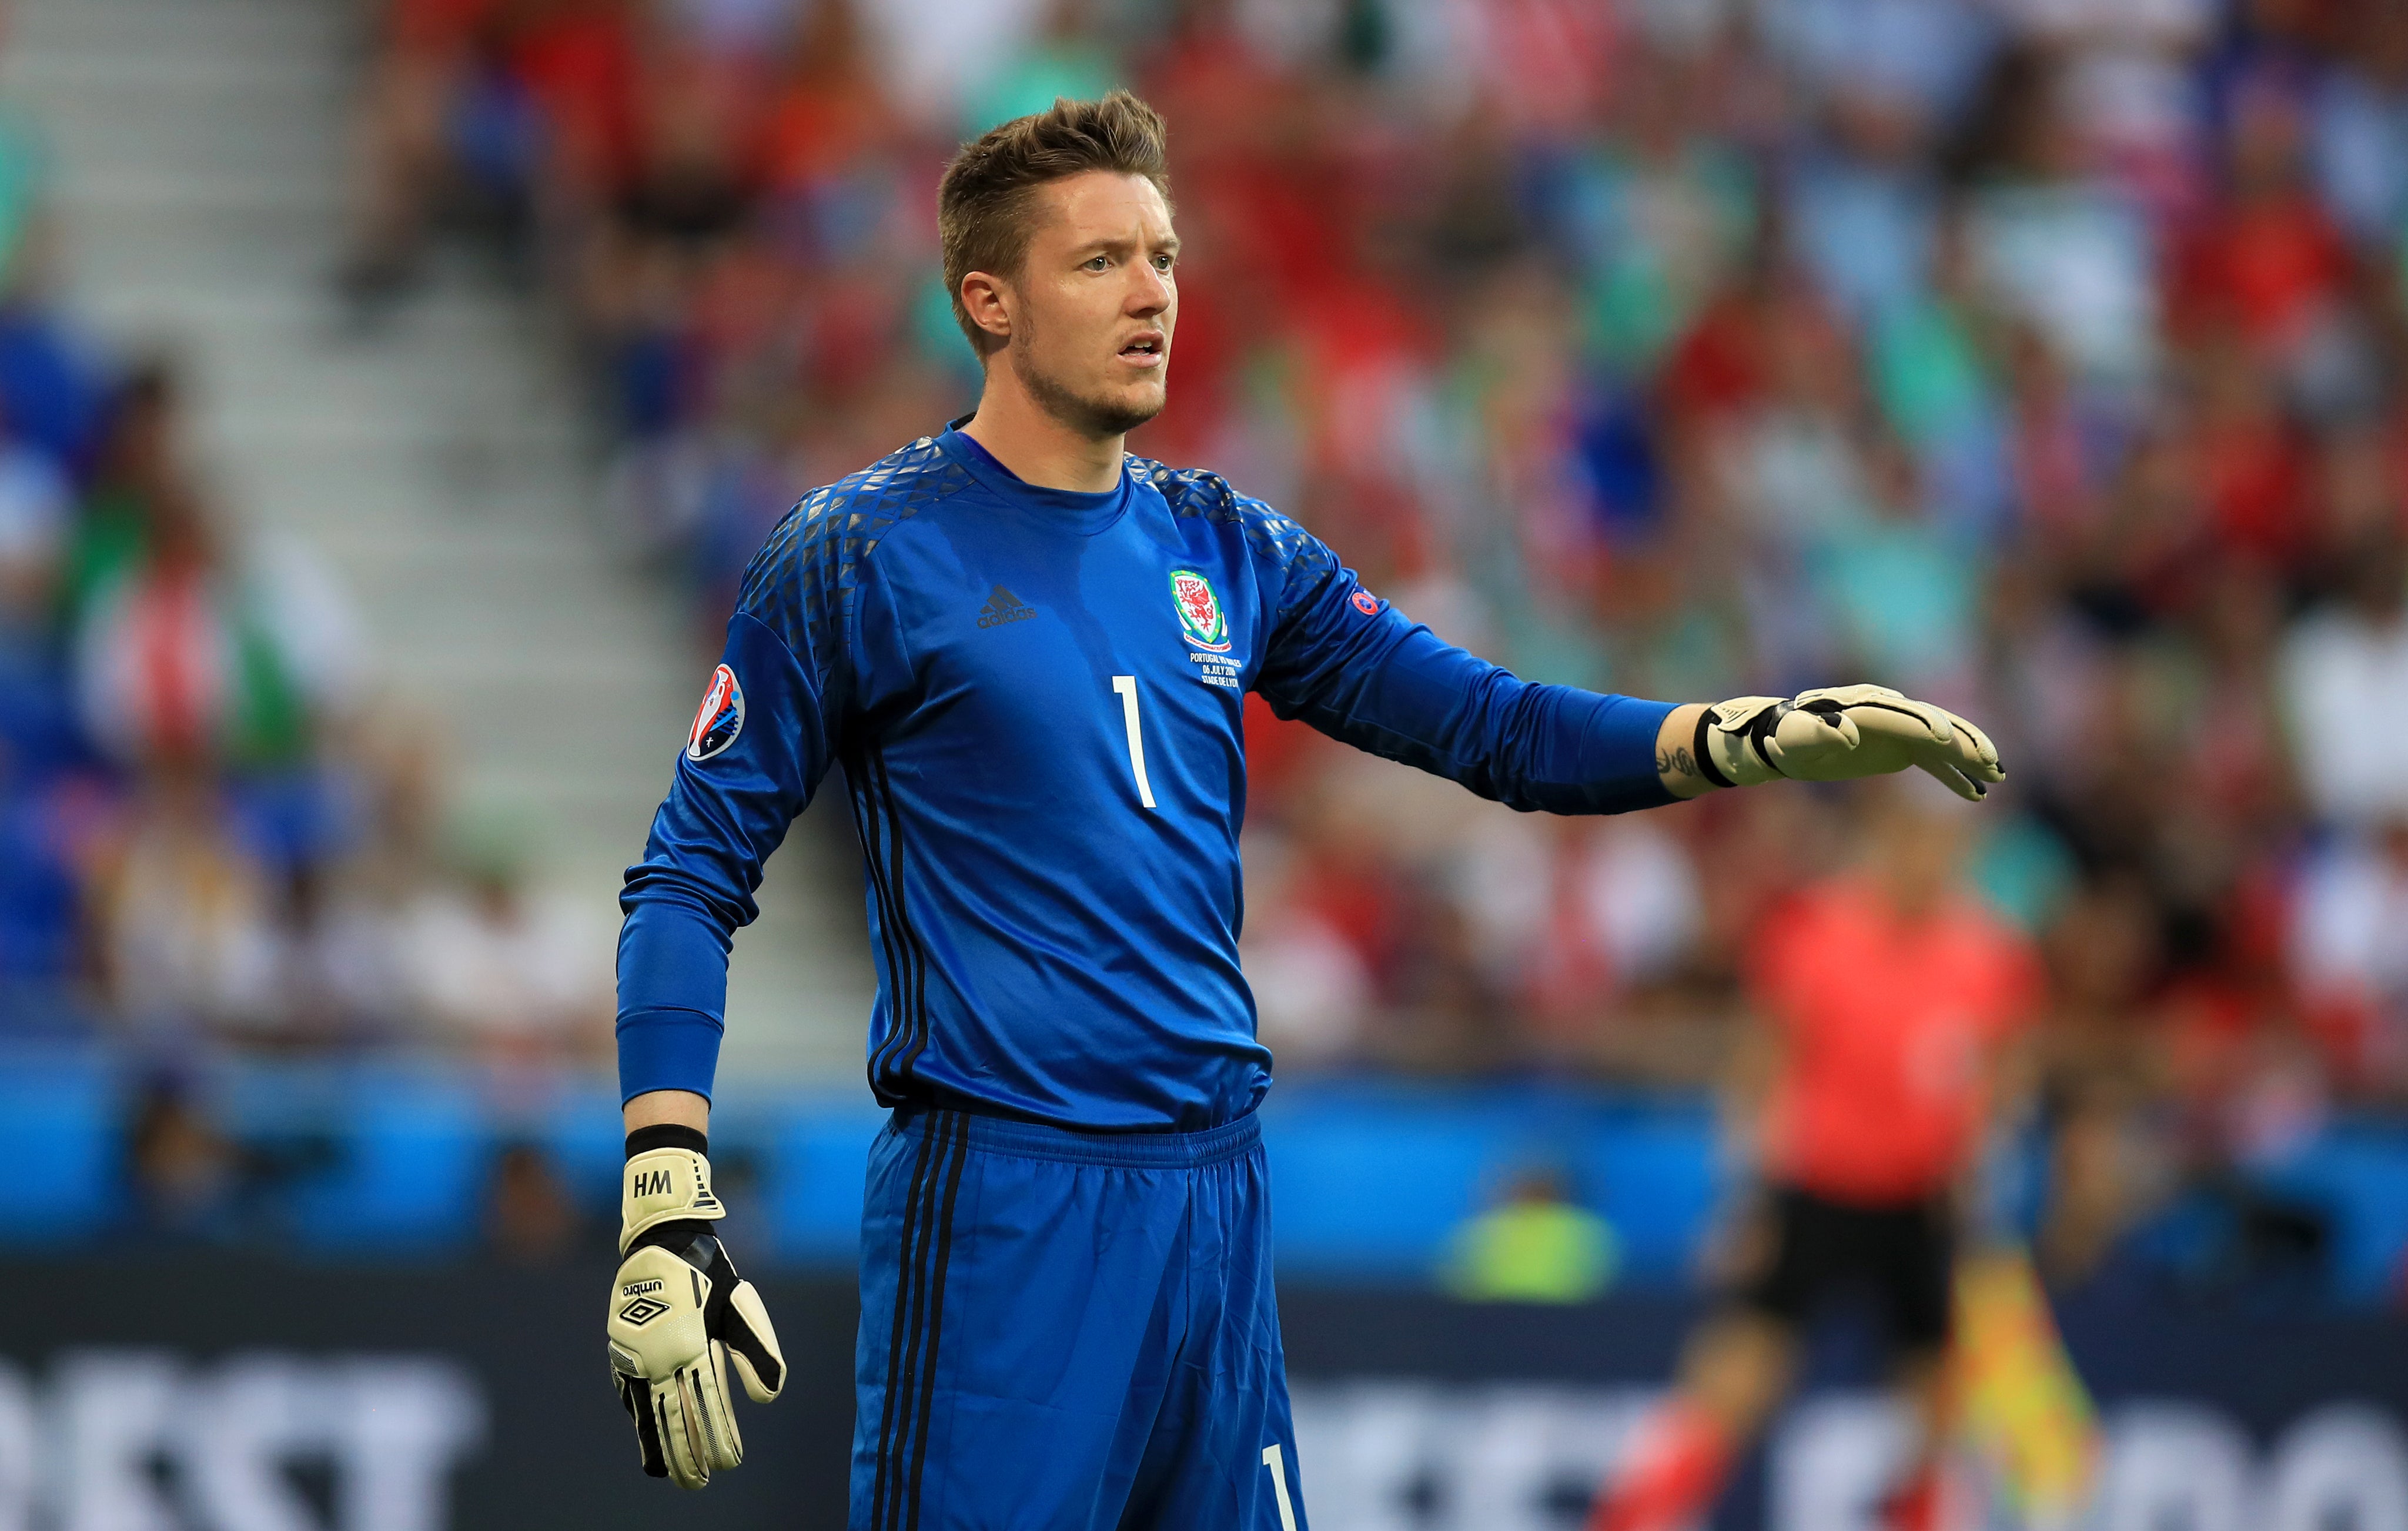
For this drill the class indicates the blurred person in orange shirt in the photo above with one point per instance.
(1889, 998)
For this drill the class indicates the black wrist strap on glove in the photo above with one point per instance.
(1702, 747)
(667, 1134)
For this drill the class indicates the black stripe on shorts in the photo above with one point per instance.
(918, 1316)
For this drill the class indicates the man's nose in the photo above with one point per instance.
(1150, 293)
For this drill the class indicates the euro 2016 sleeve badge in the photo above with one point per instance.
(1201, 621)
(720, 718)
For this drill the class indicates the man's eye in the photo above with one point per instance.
(1098, 262)
(1162, 263)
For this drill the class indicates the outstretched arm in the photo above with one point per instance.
(1360, 671)
(1357, 669)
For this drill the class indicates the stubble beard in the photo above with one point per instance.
(1092, 417)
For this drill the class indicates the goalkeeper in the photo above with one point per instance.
(673, 1377)
(1030, 652)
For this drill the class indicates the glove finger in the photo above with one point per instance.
(675, 1409)
(1977, 757)
(1903, 717)
(1945, 772)
(753, 1344)
(708, 1424)
(1845, 696)
(635, 1397)
(720, 1435)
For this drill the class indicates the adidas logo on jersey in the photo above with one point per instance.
(1003, 607)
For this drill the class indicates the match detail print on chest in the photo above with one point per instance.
(1204, 627)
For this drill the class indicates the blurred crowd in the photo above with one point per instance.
(2041, 357)
(215, 832)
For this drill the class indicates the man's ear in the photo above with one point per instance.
(988, 303)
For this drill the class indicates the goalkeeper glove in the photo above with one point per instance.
(1839, 734)
(679, 1314)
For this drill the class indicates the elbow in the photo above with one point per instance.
(651, 885)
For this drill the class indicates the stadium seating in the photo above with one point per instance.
(1371, 1180)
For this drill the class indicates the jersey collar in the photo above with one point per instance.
(1068, 509)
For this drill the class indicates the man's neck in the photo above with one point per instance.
(1038, 449)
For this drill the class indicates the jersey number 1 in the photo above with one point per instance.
(1127, 686)
(1274, 1459)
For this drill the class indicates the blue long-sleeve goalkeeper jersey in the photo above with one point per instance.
(1036, 697)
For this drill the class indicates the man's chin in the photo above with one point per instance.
(1120, 416)
(1103, 413)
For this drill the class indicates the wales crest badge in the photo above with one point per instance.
(1200, 621)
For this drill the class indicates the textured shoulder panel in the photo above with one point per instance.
(1304, 560)
(801, 583)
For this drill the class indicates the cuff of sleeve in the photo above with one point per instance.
(667, 1048)
(1627, 740)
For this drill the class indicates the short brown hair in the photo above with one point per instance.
(983, 201)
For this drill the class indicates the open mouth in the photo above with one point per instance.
(1143, 346)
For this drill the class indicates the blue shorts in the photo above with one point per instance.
(1067, 1331)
